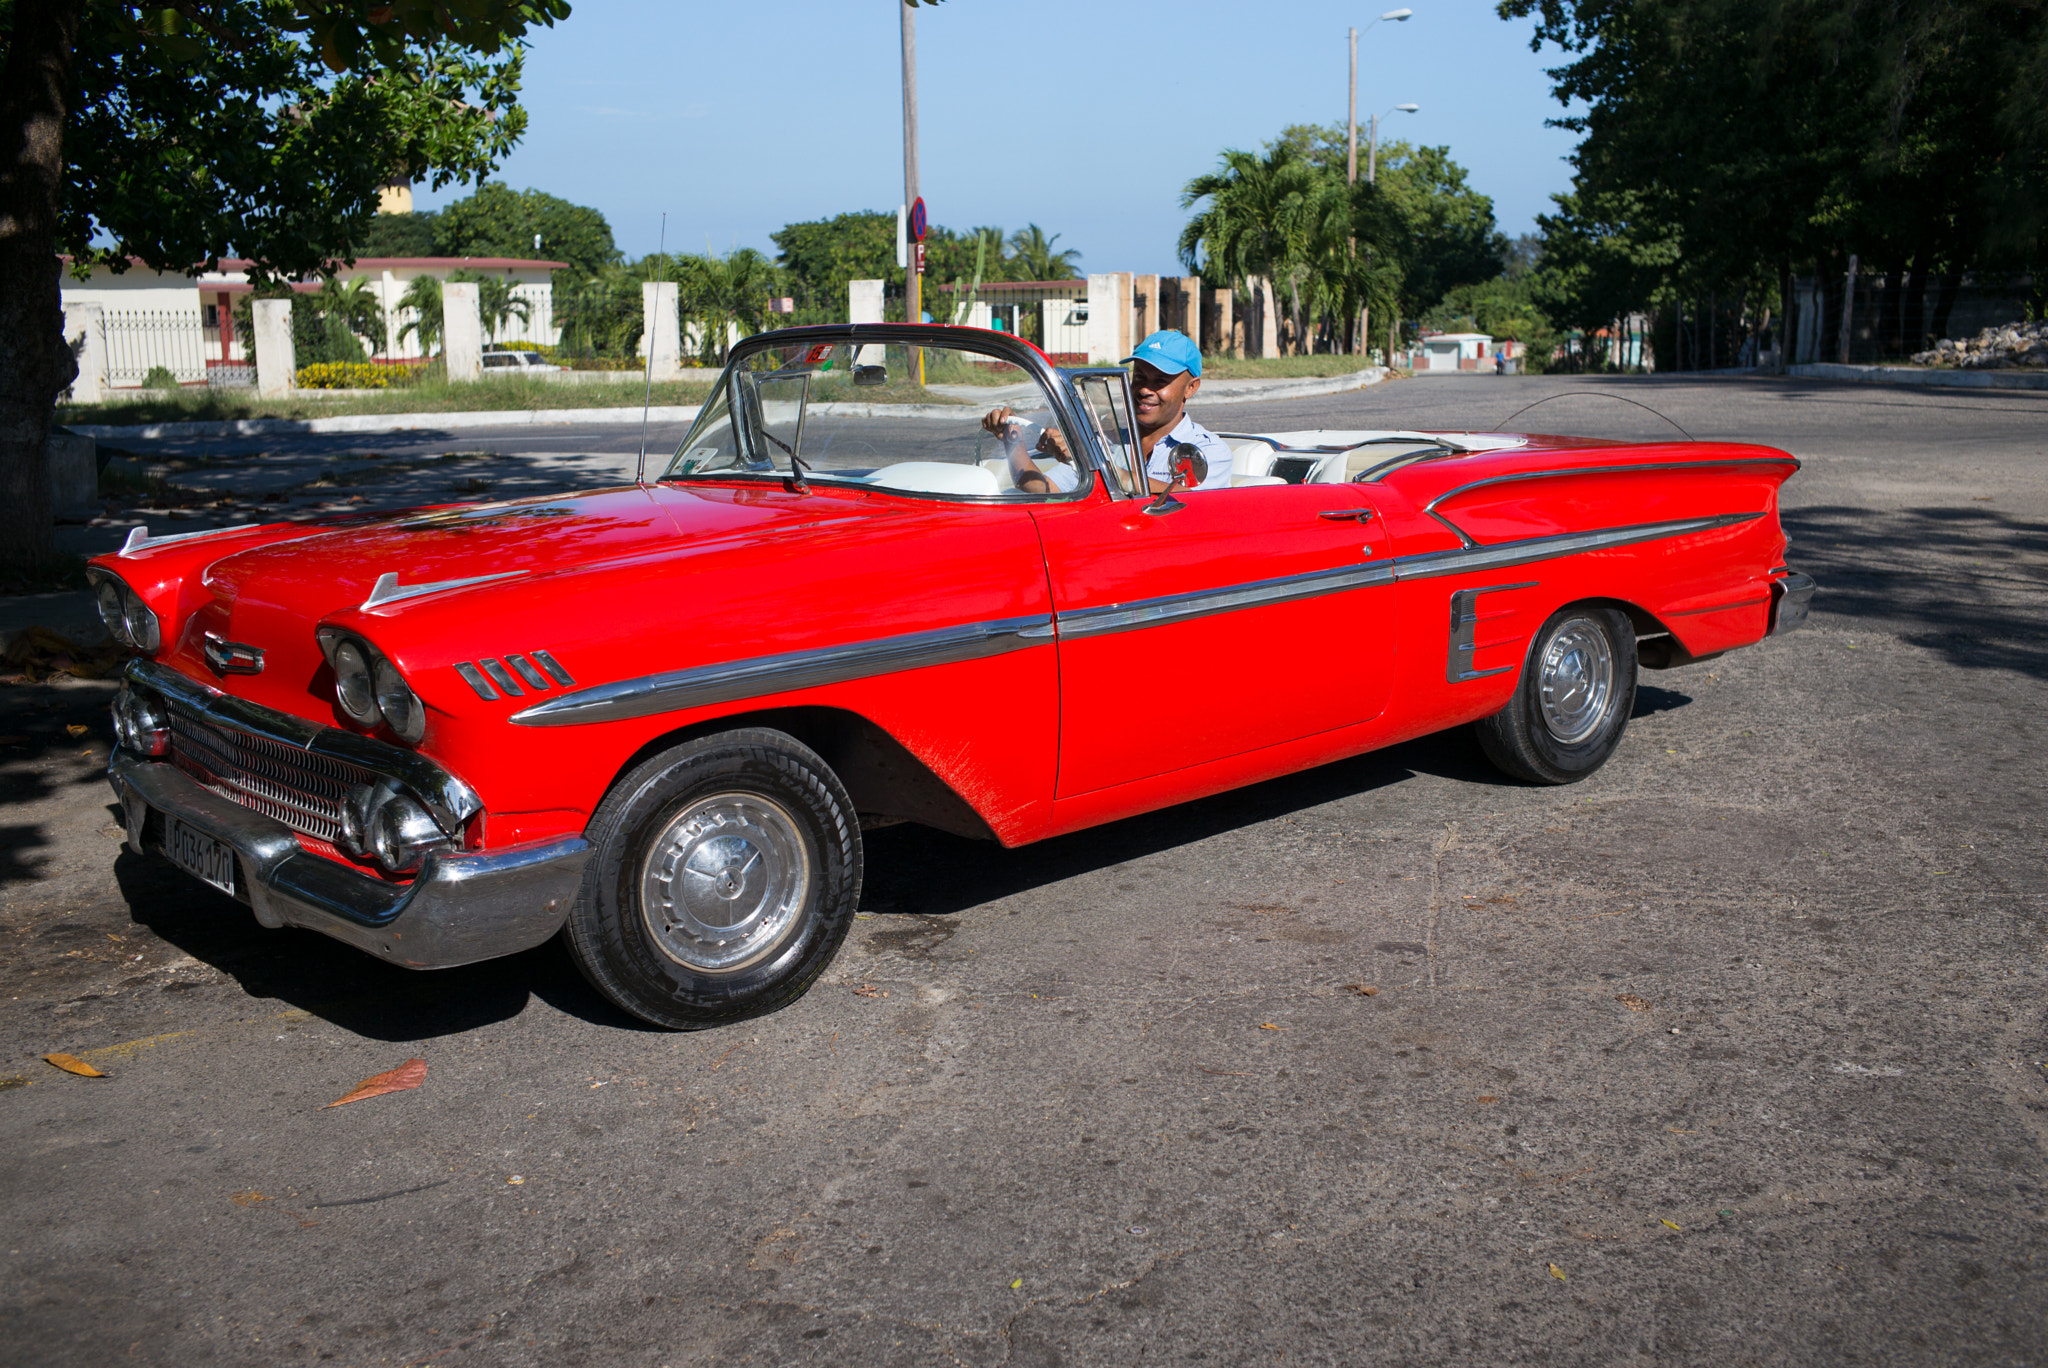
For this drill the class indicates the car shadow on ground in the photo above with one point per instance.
(341, 984)
(916, 871)
(911, 870)
(1966, 583)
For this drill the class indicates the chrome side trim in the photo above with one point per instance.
(1463, 639)
(1430, 507)
(1124, 617)
(724, 683)
(387, 590)
(452, 801)
(730, 681)
(1431, 564)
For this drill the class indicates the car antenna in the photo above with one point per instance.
(647, 399)
(1597, 394)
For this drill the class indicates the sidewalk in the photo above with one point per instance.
(1213, 392)
(1914, 375)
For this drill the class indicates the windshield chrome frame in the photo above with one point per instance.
(1058, 388)
(1141, 482)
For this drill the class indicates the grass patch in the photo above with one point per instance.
(1282, 367)
(430, 396)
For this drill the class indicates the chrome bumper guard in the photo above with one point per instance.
(1791, 596)
(460, 908)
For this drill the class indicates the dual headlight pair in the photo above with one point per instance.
(369, 688)
(127, 617)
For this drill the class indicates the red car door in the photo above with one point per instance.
(1246, 618)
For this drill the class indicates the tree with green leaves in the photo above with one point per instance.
(822, 255)
(423, 297)
(353, 307)
(1036, 258)
(1757, 138)
(497, 221)
(715, 293)
(497, 302)
(180, 135)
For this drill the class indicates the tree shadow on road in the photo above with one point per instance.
(1966, 583)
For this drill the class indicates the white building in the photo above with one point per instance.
(185, 323)
(1453, 351)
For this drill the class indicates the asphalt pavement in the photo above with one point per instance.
(1732, 1054)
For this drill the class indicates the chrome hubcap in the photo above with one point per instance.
(1575, 680)
(723, 884)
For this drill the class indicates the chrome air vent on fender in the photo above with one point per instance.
(507, 673)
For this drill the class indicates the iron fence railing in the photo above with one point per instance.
(164, 345)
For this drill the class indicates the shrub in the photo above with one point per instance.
(159, 378)
(350, 375)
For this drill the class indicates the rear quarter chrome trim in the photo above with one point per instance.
(726, 683)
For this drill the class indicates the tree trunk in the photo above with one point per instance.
(35, 364)
(1944, 302)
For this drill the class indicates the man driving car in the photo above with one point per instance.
(1166, 371)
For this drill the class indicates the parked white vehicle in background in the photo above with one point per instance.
(500, 358)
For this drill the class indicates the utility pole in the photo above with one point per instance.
(1351, 118)
(913, 284)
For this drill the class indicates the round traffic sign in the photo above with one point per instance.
(917, 220)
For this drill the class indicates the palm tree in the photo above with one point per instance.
(495, 302)
(350, 309)
(423, 297)
(718, 292)
(1032, 252)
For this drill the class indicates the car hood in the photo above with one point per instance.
(271, 596)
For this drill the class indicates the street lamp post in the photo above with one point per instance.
(1372, 156)
(1399, 16)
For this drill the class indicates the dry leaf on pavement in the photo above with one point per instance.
(1558, 1273)
(410, 1074)
(1362, 989)
(1632, 1002)
(72, 1064)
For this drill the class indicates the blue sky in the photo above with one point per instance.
(1084, 116)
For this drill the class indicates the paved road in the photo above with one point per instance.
(1732, 1054)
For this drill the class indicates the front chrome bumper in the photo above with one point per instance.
(461, 908)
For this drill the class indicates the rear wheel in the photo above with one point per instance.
(1577, 690)
(725, 875)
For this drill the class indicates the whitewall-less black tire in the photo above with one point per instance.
(1577, 689)
(725, 874)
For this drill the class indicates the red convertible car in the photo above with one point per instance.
(655, 719)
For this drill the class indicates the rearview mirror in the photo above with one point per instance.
(870, 375)
(1186, 467)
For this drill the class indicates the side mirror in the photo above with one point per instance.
(1188, 467)
(870, 375)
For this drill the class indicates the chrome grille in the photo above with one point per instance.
(303, 790)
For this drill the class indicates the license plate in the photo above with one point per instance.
(200, 855)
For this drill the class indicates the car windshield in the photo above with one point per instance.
(937, 420)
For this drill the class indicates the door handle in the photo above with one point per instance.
(1363, 515)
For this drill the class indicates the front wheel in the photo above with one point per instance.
(1577, 690)
(725, 875)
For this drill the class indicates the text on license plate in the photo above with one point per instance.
(199, 854)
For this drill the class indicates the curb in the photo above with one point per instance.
(383, 422)
(676, 413)
(1903, 375)
(1290, 389)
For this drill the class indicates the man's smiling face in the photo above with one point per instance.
(1160, 397)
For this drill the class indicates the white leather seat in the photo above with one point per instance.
(1244, 481)
(937, 477)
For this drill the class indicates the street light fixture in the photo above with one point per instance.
(1372, 158)
(1395, 16)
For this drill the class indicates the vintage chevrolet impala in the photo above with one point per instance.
(655, 719)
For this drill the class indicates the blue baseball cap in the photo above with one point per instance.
(1169, 351)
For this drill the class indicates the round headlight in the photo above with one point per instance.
(143, 632)
(400, 705)
(401, 834)
(113, 610)
(352, 686)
